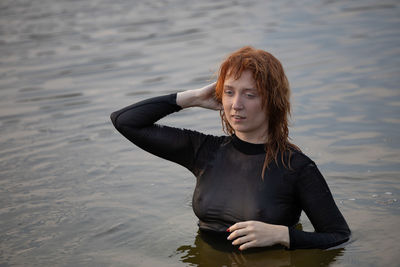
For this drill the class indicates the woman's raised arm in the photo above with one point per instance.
(137, 123)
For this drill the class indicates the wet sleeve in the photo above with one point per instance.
(137, 123)
(317, 202)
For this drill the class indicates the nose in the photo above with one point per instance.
(237, 103)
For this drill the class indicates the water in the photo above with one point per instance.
(73, 192)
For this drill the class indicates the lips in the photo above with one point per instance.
(238, 117)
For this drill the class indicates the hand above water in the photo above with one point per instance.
(258, 234)
(203, 97)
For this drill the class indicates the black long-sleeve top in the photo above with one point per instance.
(229, 186)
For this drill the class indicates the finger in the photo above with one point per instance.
(247, 245)
(237, 233)
(243, 239)
(237, 226)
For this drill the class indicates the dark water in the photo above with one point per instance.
(73, 192)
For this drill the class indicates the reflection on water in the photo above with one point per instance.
(209, 251)
(73, 192)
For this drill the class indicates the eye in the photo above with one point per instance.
(228, 92)
(250, 95)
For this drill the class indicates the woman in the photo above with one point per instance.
(252, 183)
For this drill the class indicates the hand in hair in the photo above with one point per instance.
(203, 97)
(258, 234)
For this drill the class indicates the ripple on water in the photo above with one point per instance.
(75, 193)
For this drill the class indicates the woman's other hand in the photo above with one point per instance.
(258, 234)
(203, 97)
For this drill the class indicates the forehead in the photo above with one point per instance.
(245, 80)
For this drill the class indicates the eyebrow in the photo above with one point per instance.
(245, 89)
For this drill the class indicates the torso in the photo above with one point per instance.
(230, 188)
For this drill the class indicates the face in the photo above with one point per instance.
(243, 108)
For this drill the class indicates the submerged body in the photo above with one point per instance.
(229, 188)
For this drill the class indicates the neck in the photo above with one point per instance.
(252, 139)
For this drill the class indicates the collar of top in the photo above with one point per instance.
(246, 147)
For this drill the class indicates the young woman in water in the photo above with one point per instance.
(253, 183)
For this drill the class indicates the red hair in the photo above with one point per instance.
(273, 86)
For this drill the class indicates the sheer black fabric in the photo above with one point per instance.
(229, 187)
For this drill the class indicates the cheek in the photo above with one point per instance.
(263, 115)
(256, 107)
(259, 112)
(225, 104)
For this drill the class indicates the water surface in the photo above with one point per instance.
(73, 192)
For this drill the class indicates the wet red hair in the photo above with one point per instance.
(273, 86)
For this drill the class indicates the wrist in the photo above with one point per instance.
(283, 237)
(187, 98)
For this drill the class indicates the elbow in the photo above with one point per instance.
(344, 235)
(345, 230)
(341, 236)
(114, 119)
(347, 233)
